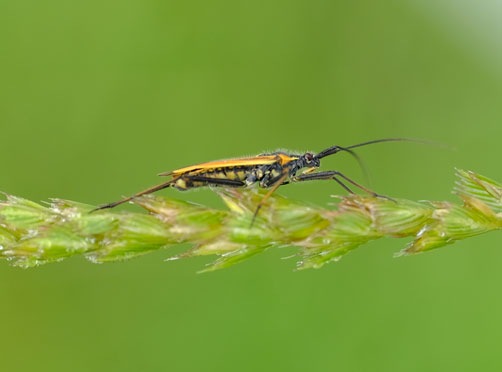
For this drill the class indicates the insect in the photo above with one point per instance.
(268, 170)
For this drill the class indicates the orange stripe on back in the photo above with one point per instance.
(229, 163)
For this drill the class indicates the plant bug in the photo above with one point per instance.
(268, 170)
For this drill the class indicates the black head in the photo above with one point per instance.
(310, 160)
(336, 149)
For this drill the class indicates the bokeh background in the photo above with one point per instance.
(97, 97)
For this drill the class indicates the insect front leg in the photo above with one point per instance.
(338, 177)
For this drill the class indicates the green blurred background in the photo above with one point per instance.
(96, 97)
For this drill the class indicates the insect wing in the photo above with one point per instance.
(227, 163)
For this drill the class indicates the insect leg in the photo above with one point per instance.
(275, 185)
(206, 180)
(216, 181)
(335, 175)
(144, 192)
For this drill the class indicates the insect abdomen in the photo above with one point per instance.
(235, 175)
(185, 183)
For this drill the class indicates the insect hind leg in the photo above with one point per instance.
(129, 198)
(278, 181)
(211, 181)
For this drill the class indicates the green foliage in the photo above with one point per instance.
(32, 234)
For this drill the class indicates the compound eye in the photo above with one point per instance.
(309, 157)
